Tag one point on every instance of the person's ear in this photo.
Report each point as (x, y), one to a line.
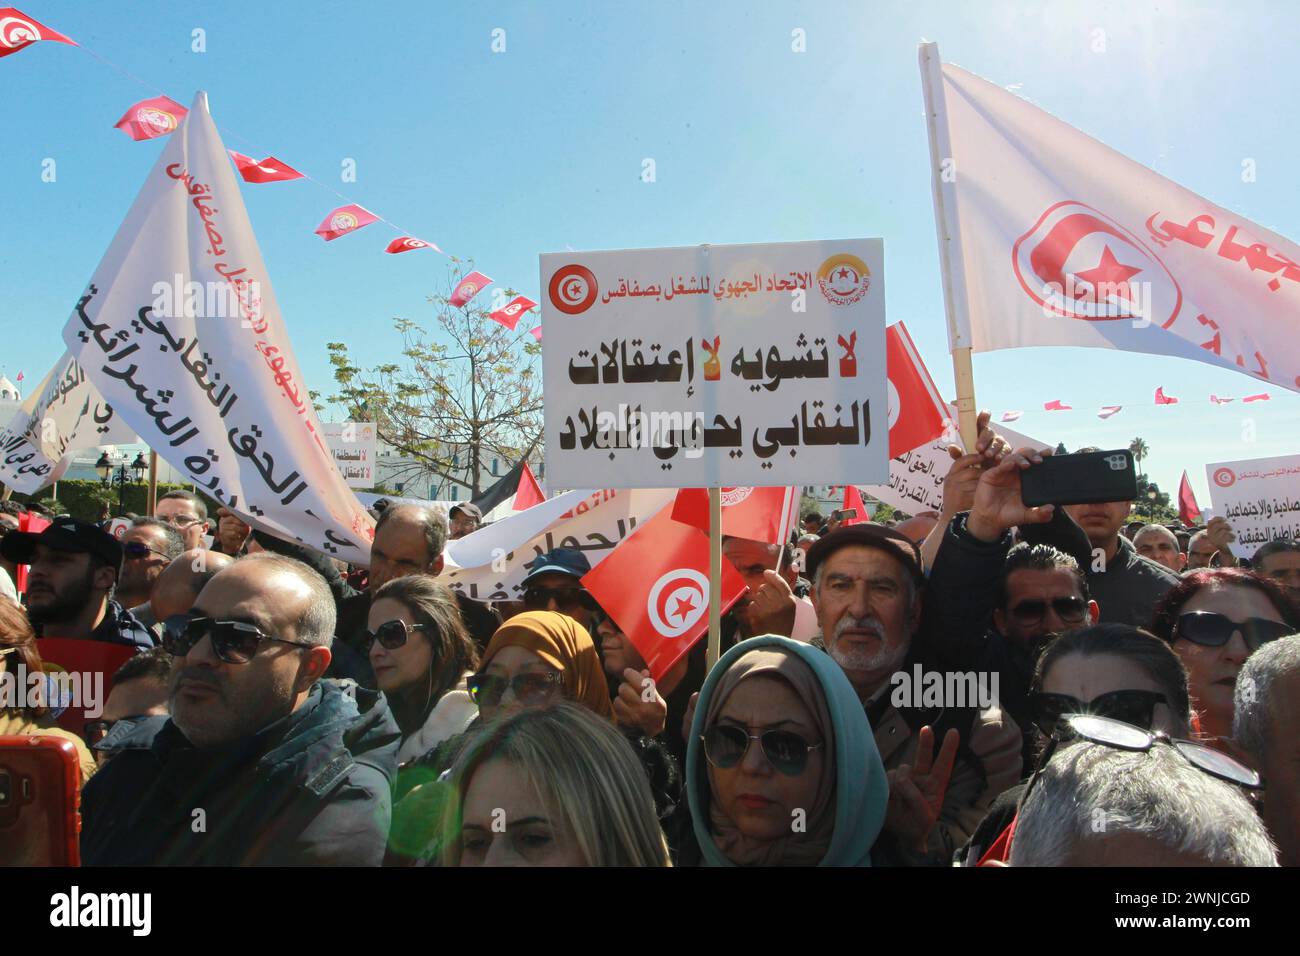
(103, 578)
(1094, 612)
(315, 663)
(437, 567)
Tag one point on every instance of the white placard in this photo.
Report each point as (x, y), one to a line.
(354, 446)
(1260, 497)
(710, 366)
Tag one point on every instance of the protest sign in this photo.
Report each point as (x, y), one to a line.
(750, 365)
(489, 564)
(64, 413)
(180, 330)
(1260, 497)
(354, 446)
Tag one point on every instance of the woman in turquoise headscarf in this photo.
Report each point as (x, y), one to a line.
(781, 766)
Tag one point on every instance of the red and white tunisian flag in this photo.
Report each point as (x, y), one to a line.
(917, 415)
(1050, 237)
(514, 310)
(180, 331)
(343, 220)
(760, 514)
(468, 287)
(19, 31)
(853, 502)
(409, 244)
(1189, 512)
(655, 586)
(269, 170)
(151, 118)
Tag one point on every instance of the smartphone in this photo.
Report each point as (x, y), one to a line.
(844, 514)
(1080, 479)
(40, 798)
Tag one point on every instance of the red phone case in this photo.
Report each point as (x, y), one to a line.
(40, 799)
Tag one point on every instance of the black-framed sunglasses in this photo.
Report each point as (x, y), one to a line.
(138, 549)
(725, 746)
(234, 642)
(1121, 736)
(1214, 630)
(1071, 610)
(1136, 707)
(391, 634)
(488, 689)
(537, 599)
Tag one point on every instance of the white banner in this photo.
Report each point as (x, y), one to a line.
(1053, 238)
(63, 414)
(916, 478)
(489, 565)
(1260, 497)
(180, 330)
(354, 446)
(710, 366)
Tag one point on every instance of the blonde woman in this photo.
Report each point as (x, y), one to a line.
(551, 786)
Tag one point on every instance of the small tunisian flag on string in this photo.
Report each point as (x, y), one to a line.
(916, 412)
(1221, 401)
(1055, 406)
(1011, 416)
(150, 119)
(343, 220)
(853, 502)
(408, 243)
(536, 333)
(510, 314)
(1163, 399)
(1108, 410)
(1261, 397)
(529, 492)
(655, 586)
(269, 170)
(468, 287)
(760, 514)
(1188, 511)
(18, 31)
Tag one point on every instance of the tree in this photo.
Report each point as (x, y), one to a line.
(1140, 450)
(1157, 509)
(469, 390)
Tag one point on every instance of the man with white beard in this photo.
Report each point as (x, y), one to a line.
(867, 590)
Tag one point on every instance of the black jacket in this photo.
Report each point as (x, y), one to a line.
(1130, 587)
(310, 789)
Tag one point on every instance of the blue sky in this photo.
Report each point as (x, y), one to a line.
(501, 156)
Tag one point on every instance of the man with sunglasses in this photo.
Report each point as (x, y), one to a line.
(186, 512)
(261, 761)
(148, 546)
(70, 587)
(554, 583)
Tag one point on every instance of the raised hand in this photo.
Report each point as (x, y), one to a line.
(997, 504)
(916, 792)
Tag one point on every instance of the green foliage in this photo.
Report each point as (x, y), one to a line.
(84, 498)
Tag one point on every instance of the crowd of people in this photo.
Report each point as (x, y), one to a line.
(1143, 693)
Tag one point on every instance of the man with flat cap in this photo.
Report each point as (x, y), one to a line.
(463, 519)
(74, 569)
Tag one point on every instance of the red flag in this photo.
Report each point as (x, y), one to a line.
(536, 333)
(468, 287)
(19, 378)
(916, 412)
(1220, 401)
(655, 585)
(1163, 399)
(510, 314)
(408, 243)
(28, 522)
(1261, 397)
(18, 30)
(269, 170)
(1011, 416)
(150, 119)
(1055, 406)
(853, 502)
(759, 514)
(528, 493)
(1108, 410)
(343, 220)
(1188, 512)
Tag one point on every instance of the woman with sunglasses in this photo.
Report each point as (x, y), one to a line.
(422, 655)
(1214, 620)
(781, 767)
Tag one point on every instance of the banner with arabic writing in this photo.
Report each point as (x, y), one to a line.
(1260, 497)
(711, 366)
(180, 330)
(63, 414)
(490, 564)
(355, 446)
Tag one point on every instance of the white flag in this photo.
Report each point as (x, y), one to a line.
(180, 330)
(1052, 238)
(63, 414)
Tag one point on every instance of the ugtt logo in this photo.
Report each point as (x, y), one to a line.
(1079, 263)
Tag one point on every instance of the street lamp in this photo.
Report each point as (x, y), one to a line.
(1151, 509)
(122, 477)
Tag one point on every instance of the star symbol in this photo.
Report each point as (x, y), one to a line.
(844, 273)
(684, 607)
(1109, 276)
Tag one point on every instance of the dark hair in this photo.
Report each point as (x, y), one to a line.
(1171, 605)
(1038, 557)
(16, 631)
(1280, 546)
(434, 605)
(12, 508)
(154, 664)
(435, 526)
(173, 544)
(1157, 660)
(812, 516)
(200, 508)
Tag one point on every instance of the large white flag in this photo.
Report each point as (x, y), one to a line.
(1050, 237)
(180, 330)
(63, 414)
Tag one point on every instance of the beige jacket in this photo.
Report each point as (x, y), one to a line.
(15, 723)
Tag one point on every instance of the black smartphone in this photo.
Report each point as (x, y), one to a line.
(844, 514)
(1080, 479)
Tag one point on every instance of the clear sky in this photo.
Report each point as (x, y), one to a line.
(501, 156)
